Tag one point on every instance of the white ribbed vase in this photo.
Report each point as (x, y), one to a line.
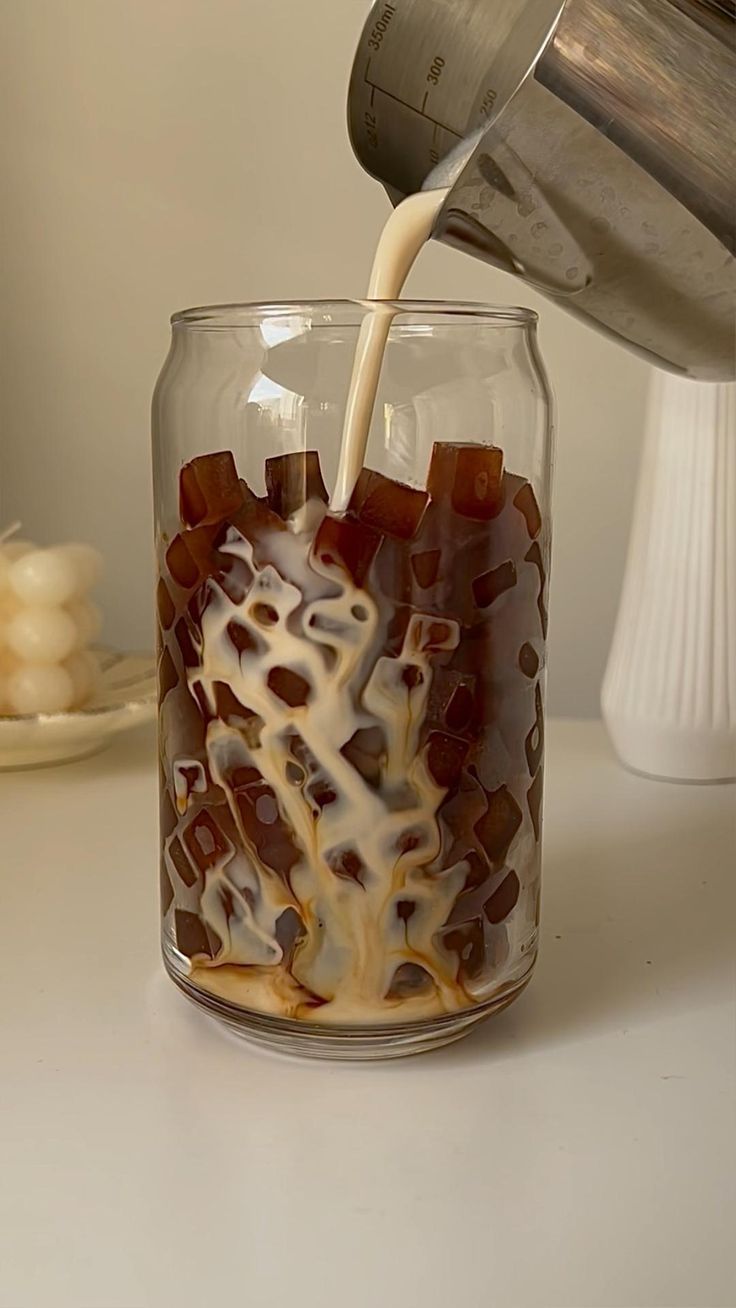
(669, 692)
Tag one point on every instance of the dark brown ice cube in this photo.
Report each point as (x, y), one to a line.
(205, 842)
(525, 502)
(499, 824)
(234, 575)
(458, 814)
(167, 891)
(388, 506)
(534, 556)
(292, 480)
(262, 822)
(451, 702)
(409, 979)
(429, 634)
(209, 489)
(168, 817)
(466, 940)
(396, 629)
(425, 567)
(503, 899)
(201, 544)
(321, 793)
(528, 660)
(184, 640)
(534, 802)
(181, 566)
(165, 605)
(229, 709)
(241, 637)
(346, 863)
(289, 930)
(181, 862)
(405, 909)
(471, 476)
(347, 544)
(366, 751)
(490, 585)
(445, 757)
(254, 520)
(534, 743)
(193, 937)
(289, 687)
(168, 677)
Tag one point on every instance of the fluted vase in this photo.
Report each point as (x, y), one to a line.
(669, 691)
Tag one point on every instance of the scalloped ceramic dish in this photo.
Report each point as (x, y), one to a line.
(126, 697)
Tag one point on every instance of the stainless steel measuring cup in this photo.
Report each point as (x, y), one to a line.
(589, 145)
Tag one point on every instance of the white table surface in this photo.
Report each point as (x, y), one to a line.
(578, 1150)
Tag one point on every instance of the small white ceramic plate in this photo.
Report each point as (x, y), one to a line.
(126, 696)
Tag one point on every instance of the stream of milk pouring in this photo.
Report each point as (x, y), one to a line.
(408, 228)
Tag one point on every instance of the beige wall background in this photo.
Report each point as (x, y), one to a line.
(162, 153)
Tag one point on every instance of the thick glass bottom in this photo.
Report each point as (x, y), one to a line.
(355, 1042)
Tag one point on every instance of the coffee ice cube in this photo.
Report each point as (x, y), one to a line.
(451, 702)
(426, 566)
(289, 930)
(263, 825)
(289, 687)
(164, 605)
(466, 940)
(528, 660)
(182, 864)
(229, 709)
(168, 816)
(429, 634)
(209, 489)
(193, 937)
(499, 824)
(445, 758)
(388, 506)
(166, 889)
(490, 585)
(181, 566)
(408, 980)
(292, 480)
(189, 654)
(534, 556)
(346, 863)
(205, 842)
(534, 802)
(168, 677)
(503, 900)
(534, 743)
(234, 575)
(347, 544)
(525, 501)
(470, 475)
(254, 521)
(366, 751)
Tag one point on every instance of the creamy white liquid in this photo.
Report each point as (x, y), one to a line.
(407, 230)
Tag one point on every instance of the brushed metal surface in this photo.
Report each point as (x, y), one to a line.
(590, 146)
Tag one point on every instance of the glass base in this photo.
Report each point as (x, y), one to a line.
(357, 1043)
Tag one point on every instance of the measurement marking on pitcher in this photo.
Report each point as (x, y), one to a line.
(381, 27)
(382, 91)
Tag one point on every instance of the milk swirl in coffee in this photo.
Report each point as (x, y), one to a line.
(351, 718)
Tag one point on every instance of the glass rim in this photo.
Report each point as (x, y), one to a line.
(251, 314)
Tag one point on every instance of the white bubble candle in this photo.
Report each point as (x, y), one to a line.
(47, 623)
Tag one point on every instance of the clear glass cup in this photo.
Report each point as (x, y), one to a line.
(351, 704)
